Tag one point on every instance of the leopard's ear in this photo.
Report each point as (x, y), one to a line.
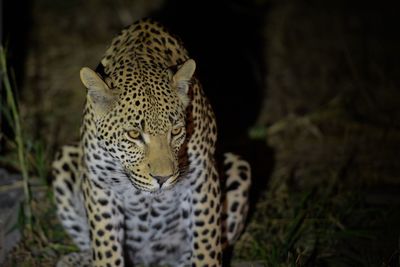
(181, 80)
(99, 94)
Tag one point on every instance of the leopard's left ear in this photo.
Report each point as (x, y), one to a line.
(181, 80)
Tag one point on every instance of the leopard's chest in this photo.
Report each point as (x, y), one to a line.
(157, 227)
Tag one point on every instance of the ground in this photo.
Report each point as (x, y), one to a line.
(317, 86)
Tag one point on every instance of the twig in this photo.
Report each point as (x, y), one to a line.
(8, 187)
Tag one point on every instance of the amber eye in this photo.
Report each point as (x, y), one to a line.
(133, 134)
(176, 131)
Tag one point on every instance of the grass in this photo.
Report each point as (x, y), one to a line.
(14, 121)
(43, 238)
(322, 208)
(319, 228)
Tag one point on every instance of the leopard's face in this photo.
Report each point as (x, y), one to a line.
(145, 131)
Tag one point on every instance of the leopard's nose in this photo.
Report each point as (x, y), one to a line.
(161, 179)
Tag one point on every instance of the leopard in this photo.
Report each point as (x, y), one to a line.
(142, 187)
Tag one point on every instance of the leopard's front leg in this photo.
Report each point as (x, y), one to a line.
(106, 224)
(206, 243)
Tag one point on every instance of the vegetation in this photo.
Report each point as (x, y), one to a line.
(37, 222)
(12, 114)
(330, 199)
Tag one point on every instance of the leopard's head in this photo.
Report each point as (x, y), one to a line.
(140, 120)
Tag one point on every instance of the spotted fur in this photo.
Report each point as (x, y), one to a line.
(142, 188)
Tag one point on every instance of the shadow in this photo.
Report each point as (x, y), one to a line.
(262, 161)
(225, 38)
(226, 43)
(14, 34)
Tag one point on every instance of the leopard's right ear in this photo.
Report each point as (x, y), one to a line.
(99, 94)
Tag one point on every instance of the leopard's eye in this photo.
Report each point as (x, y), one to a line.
(133, 134)
(176, 131)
